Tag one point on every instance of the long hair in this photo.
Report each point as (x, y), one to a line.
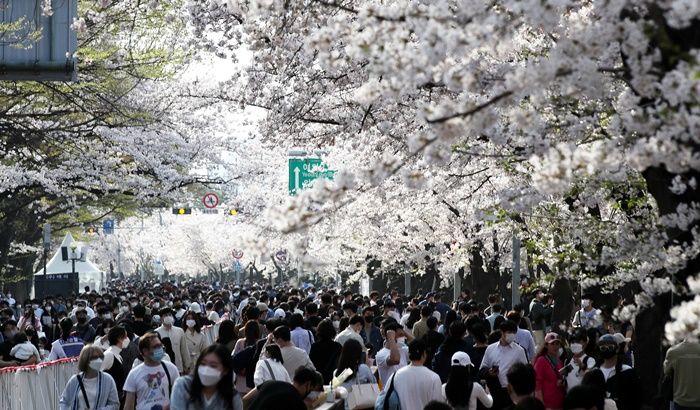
(227, 332)
(413, 317)
(225, 385)
(252, 333)
(459, 386)
(274, 352)
(350, 356)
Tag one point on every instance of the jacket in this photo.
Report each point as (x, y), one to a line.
(107, 398)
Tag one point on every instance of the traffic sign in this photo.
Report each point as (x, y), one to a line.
(304, 171)
(210, 200)
(237, 253)
(108, 226)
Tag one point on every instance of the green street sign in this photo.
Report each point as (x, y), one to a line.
(304, 171)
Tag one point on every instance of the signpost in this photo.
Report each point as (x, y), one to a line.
(108, 226)
(304, 171)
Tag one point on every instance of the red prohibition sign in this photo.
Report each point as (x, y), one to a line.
(210, 200)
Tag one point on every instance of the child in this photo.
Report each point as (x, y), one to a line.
(24, 349)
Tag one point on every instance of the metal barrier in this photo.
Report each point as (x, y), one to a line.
(39, 387)
(35, 387)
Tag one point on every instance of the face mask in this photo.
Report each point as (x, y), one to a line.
(369, 318)
(125, 343)
(48, 308)
(608, 353)
(585, 303)
(336, 324)
(82, 320)
(576, 348)
(158, 354)
(123, 309)
(510, 337)
(208, 375)
(107, 316)
(156, 305)
(170, 304)
(168, 320)
(133, 304)
(35, 307)
(95, 364)
(190, 323)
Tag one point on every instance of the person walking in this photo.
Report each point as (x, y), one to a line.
(149, 385)
(621, 380)
(195, 340)
(176, 335)
(113, 364)
(682, 363)
(415, 384)
(210, 387)
(460, 391)
(324, 353)
(66, 345)
(499, 358)
(91, 388)
(549, 383)
(271, 366)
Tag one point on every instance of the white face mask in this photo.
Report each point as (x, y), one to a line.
(585, 303)
(576, 348)
(209, 375)
(123, 309)
(156, 305)
(190, 323)
(96, 364)
(336, 324)
(510, 337)
(168, 320)
(125, 343)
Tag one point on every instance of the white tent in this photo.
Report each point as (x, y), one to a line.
(88, 273)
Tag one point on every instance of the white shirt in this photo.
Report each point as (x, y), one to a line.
(478, 392)
(609, 372)
(504, 357)
(416, 386)
(91, 392)
(303, 339)
(575, 376)
(347, 334)
(111, 353)
(151, 385)
(293, 359)
(385, 371)
(262, 373)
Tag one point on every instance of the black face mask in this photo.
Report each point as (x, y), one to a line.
(369, 318)
(608, 353)
(82, 320)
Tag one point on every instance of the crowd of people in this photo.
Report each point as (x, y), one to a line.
(148, 346)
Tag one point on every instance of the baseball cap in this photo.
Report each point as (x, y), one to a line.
(194, 307)
(619, 338)
(608, 339)
(461, 359)
(551, 338)
(279, 313)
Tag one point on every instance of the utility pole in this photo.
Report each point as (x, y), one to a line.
(515, 286)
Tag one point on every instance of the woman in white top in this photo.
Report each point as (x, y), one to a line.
(91, 388)
(271, 367)
(195, 340)
(460, 391)
(351, 358)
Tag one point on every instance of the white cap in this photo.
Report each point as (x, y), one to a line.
(619, 338)
(194, 307)
(461, 359)
(279, 313)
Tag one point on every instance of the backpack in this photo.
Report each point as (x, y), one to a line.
(388, 399)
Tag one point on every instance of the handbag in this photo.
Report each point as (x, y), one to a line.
(363, 396)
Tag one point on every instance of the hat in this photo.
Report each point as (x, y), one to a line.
(461, 359)
(279, 313)
(262, 307)
(194, 307)
(619, 338)
(551, 338)
(608, 339)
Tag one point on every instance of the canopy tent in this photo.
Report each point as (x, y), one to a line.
(88, 273)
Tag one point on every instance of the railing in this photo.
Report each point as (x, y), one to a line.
(39, 386)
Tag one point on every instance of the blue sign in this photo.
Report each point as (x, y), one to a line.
(40, 44)
(108, 226)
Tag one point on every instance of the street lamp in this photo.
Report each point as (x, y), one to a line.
(75, 255)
